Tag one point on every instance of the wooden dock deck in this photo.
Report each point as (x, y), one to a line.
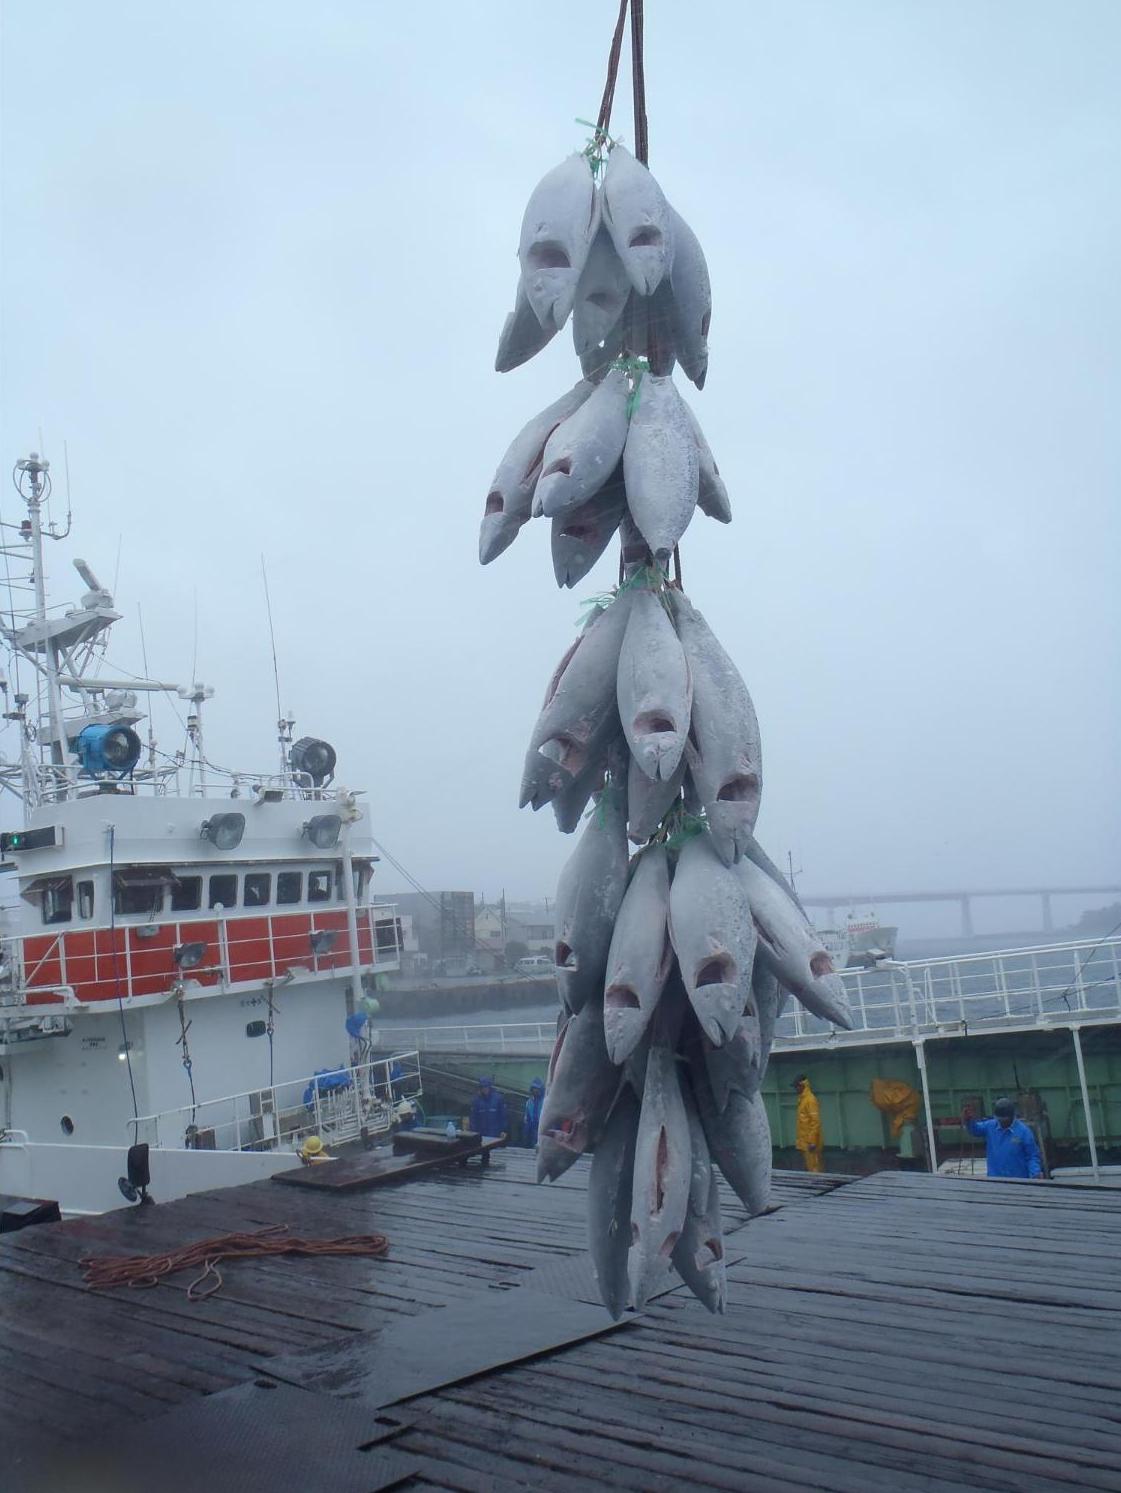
(896, 1332)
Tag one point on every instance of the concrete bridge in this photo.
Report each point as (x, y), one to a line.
(965, 899)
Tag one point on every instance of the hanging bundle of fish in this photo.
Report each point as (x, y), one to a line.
(673, 962)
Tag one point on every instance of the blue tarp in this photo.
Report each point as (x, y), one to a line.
(327, 1081)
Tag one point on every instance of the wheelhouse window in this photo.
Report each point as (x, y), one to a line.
(319, 886)
(186, 894)
(57, 900)
(223, 890)
(289, 887)
(138, 890)
(258, 889)
(85, 899)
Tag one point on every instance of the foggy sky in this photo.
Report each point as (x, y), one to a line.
(256, 259)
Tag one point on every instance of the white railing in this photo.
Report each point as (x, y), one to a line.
(528, 1037)
(1049, 985)
(337, 1104)
(1010, 988)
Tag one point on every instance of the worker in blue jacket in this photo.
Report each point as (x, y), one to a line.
(531, 1119)
(488, 1113)
(1010, 1148)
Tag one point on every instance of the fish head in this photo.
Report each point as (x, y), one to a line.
(550, 281)
(707, 1277)
(831, 994)
(717, 1006)
(542, 779)
(731, 813)
(624, 1020)
(497, 531)
(657, 742)
(554, 496)
(648, 254)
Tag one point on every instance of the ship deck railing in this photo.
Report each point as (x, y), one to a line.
(1051, 985)
(338, 1104)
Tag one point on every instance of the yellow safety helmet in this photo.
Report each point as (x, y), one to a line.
(312, 1146)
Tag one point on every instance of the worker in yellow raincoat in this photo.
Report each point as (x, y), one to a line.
(808, 1137)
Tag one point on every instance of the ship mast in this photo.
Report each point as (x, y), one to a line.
(36, 470)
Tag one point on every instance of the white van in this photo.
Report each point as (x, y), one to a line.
(534, 964)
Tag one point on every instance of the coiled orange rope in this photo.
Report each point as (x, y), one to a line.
(103, 1272)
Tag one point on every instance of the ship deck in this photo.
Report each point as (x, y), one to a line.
(897, 1331)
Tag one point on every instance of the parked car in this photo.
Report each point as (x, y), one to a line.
(534, 964)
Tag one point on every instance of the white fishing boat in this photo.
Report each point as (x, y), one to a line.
(179, 941)
(859, 940)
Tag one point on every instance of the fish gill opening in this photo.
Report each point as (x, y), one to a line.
(548, 255)
(661, 1167)
(621, 998)
(740, 789)
(494, 504)
(646, 237)
(564, 956)
(718, 970)
(654, 723)
(563, 465)
(820, 964)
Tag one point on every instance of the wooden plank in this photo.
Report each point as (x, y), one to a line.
(475, 1337)
(360, 1173)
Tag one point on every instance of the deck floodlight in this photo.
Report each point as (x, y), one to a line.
(323, 830)
(107, 749)
(224, 831)
(314, 757)
(323, 940)
(190, 955)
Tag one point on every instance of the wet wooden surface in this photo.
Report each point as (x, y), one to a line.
(897, 1332)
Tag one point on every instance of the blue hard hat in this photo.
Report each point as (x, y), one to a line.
(537, 1084)
(486, 1083)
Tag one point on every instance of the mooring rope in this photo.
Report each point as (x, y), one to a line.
(104, 1272)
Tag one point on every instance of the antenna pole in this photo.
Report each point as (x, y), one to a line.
(35, 469)
(283, 723)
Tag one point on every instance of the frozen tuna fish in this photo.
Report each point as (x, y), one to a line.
(660, 465)
(571, 801)
(523, 336)
(637, 217)
(649, 801)
(559, 226)
(723, 751)
(641, 955)
(698, 1256)
(691, 307)
(792, 949)
(768, 1005)
(712, 495)
(582, 454)
(580, 1088)
(713, 937)
(662, 1173)
(589, 894)
(739, 1140)
(510, 497)
(655, 691)
(610, 1184)
(581, 535)
(601, 296)
(580, 715)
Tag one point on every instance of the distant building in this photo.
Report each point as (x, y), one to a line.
(443, 922)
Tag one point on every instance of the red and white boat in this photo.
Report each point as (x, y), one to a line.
(186, 949)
